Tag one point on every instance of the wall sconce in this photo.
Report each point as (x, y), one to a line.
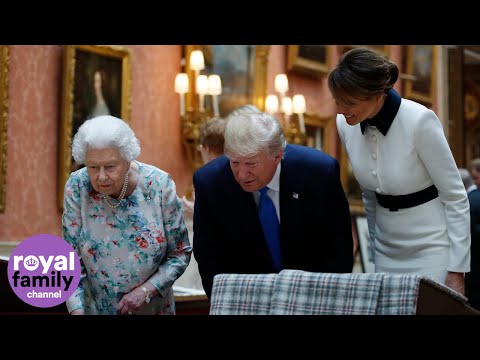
(193, 118)
(295, 132)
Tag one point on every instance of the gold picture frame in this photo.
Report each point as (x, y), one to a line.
(313, 60)
(420, 82)
(4, 62)
(319, 131)
(254, 77)
(87, 71)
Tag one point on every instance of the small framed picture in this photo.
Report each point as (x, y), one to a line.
(313, 60)
(364, 244)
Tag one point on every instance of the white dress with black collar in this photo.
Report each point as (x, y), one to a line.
(431, 238)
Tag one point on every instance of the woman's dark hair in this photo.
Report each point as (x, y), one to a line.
(362, 73)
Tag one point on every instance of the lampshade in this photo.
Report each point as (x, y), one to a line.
(294, 128)
(299, 106)
(287, 105)
(281, 83)
(197, 61)
(181, 83)
(214, 85)
(202, 84)
(271, 104)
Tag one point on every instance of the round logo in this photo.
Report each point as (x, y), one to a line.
(44, 270)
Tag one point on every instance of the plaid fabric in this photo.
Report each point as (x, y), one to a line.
(296, 292)
(305, 293)
(399, 295)
(241, 294)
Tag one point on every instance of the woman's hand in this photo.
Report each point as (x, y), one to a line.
(135, 299)
(78, 312)
(456, 281)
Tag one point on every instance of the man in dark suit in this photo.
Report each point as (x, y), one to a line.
(472, 279)
(304, 185)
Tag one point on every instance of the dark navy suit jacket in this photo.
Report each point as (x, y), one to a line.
(315, 219)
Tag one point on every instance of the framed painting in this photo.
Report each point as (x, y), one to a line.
(421, 67)
(311, 60)
(319, 132)
(96, 81)
(242, 69)
(4, 60)
(363, 236)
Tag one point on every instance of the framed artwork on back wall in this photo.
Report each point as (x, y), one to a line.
(96, 81)
(313, 60)
(421, 63)
(243, 72)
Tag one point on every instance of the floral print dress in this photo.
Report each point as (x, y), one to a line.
(143, 239)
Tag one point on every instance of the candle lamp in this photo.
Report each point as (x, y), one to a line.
(192, 118)
(293, 127)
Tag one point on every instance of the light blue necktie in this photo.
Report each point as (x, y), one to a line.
(271, 227)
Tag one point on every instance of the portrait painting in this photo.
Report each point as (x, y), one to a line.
(4, 61)
(235, 65)
(421, 66)
(242, 69)
(96, 81)
(313, 60)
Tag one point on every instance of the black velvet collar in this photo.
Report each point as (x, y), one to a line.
(383, 120)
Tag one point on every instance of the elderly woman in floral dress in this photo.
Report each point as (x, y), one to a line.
(125, 221)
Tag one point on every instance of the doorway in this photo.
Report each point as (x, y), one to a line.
(464, 102)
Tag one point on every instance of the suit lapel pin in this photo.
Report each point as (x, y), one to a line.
(295, 195)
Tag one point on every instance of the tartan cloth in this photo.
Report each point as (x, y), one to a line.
(299, 292)
(296, 292)
(241, 294)
(399, 294)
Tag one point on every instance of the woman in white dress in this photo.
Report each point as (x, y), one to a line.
(415, 202)
(101, 107)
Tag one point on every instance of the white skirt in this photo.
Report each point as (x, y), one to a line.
(413, 240)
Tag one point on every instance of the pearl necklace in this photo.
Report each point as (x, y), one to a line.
(120, 198)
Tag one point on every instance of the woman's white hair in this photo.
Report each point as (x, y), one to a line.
(247, 134)
(105, 132)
